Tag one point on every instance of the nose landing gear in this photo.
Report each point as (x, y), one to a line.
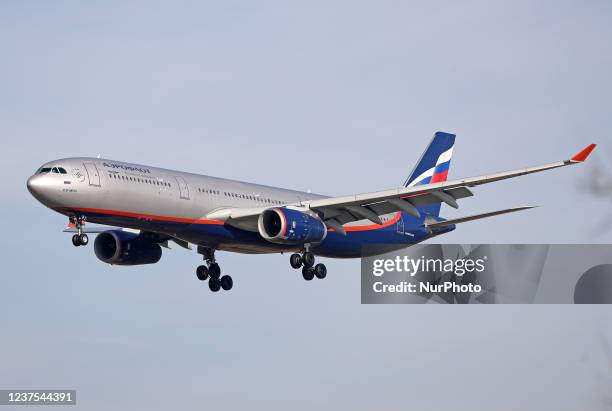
(307, 262)
(80, 238)
(212, 272)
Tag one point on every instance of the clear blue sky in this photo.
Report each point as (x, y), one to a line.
(343, 96)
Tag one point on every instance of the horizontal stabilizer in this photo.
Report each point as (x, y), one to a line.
(445, 223)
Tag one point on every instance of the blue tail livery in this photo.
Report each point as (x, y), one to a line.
(433, 167)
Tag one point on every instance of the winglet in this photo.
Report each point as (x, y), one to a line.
(584, 153)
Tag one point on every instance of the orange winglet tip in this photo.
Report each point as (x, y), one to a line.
(584, 153)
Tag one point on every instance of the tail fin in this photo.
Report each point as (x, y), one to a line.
(433, 166)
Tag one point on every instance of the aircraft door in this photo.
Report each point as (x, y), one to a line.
(400, 225)
(183, 188)
(92, 174)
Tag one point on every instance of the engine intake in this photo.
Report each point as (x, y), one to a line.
(123, 248)
(287, 226)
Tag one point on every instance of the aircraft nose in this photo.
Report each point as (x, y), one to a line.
(42, 189)
(34, 184)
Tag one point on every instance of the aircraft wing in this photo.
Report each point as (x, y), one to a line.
(88, 229)
(337, 211)
(341, 210)
(162, 239)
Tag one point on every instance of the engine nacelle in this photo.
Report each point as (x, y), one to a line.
(125, 248)
(287, 226)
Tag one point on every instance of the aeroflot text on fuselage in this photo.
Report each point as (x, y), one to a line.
(127, 168)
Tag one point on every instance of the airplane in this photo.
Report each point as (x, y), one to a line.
(144, 208)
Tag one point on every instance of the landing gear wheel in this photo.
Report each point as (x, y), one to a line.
(202, 273)
(214, 270)
(214, 284)
(295, 260)
(76, 241)
(226, 282)
(320, 271)
(308, 273)
(308, 259)
(83, 239)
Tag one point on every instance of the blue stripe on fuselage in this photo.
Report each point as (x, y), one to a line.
(407, 231)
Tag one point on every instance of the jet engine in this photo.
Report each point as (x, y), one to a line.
(124, 248)
(287, 226)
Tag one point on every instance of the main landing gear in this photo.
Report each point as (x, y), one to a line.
(212, 272)
(307, 262)
(80, 238)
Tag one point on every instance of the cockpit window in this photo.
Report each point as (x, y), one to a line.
(56, 170)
